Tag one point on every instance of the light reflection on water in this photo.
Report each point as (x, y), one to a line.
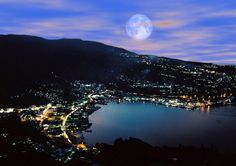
(160, 125)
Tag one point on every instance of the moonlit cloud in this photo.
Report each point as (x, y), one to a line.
(169, 23)
(225, 13)
(184, 29)
(48, 4)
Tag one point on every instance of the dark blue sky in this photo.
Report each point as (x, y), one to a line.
(197, 30)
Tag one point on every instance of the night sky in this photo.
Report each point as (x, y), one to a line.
(196, 30)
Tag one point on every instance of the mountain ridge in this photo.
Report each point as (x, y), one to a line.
(95, 42)
(27, 62)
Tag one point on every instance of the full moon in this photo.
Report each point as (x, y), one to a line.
(139, 27)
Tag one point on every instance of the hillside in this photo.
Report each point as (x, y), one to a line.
(28, 61)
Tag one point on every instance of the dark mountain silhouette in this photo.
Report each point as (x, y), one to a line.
(26, 61)
(27, 56)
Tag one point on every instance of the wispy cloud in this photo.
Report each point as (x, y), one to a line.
(224, 13)
(169, 23)
(65, 5)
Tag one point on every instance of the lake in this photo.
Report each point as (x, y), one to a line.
(160, 125)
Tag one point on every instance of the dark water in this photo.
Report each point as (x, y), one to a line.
(160, 125)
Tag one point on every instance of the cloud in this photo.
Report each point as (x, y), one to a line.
(38, 3)
(169, 23)
(64, 5)
(85, 27)
(225, 13)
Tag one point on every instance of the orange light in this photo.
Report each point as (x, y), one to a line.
(82, 146)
